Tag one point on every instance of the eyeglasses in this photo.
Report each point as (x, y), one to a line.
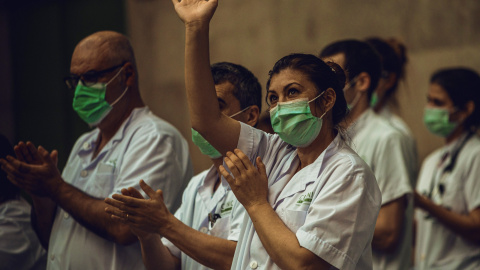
(88, 78)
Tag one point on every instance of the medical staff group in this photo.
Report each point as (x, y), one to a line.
(325, 178)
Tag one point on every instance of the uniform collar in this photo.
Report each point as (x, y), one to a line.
(86, 149)
(308, 175)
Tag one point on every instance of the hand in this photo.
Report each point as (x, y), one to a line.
(34, 170)
(420, 201)
(193, 11)
(143, 216)
(249, 184)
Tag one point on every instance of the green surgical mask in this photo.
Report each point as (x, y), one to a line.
(90, 104)
(294, 123)
(205, 147)
(374, 100)
(438, 121)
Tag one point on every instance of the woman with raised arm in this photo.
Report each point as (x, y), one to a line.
(311, 201)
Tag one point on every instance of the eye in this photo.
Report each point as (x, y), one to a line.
(292, 92)
(272, 99)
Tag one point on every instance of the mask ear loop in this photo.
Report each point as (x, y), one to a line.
(315, 99)
(120, 97)
(237, 113)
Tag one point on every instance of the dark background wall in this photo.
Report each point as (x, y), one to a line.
(37, 40)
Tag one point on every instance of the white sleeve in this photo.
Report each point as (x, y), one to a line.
(391, 170)
(154, 158)
(472, 183)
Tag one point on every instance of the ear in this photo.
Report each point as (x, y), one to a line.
(329, 98)
(390, 81)
(363, 82)
(130, 75)
(253, 113)
(469, 108)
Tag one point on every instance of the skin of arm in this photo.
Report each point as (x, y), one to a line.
(389, 225)
(220, 130)
(42, 217)
(44, 180)
(152, 217)
(251, 189)
(467, 226)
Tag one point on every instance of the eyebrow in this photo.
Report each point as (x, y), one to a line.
(286, 87)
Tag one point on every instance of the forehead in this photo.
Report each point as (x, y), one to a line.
(286, 77)
(225, 91)
(89, 57)
(436, 91)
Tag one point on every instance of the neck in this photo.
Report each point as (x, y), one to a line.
(361, 107)
(309, 154)
(455, 134)
(380, 105)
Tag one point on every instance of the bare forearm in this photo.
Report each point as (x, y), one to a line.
(198, 77)
(213, 252)
(389, 225)
(280, 243)
(467, 226)
(156, 256)
(43, 215)
(90, 212)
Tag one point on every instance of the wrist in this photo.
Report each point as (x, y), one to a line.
(197, 26)
(168, 227)
(257, 207)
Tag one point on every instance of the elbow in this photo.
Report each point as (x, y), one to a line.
(385, 241)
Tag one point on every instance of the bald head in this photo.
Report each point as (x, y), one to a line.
(102, 50)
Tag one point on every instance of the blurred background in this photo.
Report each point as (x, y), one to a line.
(37, 38)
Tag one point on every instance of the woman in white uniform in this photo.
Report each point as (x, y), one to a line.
(311, 201)
(448, 190)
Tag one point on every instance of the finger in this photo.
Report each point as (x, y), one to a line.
(32, 152)
(16, 167)
(54, 157)
(236, 160)
(148, 190)
(226, 175)
(128, 201)
(18, 151)
(135, 193)
(116, 215)
(26, 154)
(45, 155)
(244, 159)
(232, 167)
(261, 167)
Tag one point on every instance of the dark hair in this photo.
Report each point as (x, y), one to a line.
(323, 75)
(247, 88)
(8, 191)
(390, 62)
(359, 57)
(462, 85)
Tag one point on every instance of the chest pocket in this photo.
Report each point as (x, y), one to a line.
(294, 218)
(102, 183)
(221, 228)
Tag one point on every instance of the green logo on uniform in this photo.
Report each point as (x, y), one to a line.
(226, 207)
(305, 199)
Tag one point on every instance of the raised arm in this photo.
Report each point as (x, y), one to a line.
(221, 131)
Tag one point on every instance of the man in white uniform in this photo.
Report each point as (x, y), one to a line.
(206, 227)
(129, 143)
(379, 144)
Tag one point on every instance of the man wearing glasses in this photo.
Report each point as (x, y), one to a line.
(129, 143)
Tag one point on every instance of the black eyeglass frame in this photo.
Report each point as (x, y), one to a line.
(93, 75)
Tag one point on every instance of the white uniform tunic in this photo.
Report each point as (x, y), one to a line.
(19, 246)
(438, 247)
(409, 146)
(198, 202)
(379, 144)
(145, 147)
(331, 205)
